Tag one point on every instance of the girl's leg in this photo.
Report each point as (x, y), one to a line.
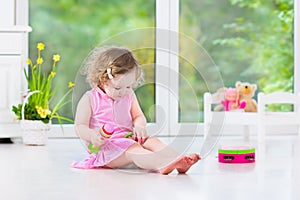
(155, 145)
(124, 159)
(147, 159)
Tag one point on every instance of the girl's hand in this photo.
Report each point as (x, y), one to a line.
(96, 139)
(140, 134)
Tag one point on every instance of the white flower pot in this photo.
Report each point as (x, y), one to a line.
(35, 132)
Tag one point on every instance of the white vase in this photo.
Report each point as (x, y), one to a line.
(35, 132)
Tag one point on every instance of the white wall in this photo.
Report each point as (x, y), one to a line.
(13, 53)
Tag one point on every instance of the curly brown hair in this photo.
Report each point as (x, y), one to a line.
(120, 59)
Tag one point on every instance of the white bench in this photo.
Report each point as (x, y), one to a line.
(278, 118)
(214, 121)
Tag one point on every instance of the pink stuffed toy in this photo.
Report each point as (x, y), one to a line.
(232, 101)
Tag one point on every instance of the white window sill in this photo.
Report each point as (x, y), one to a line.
(13, 130)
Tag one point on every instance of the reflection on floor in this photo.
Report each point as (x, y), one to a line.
(42, 172)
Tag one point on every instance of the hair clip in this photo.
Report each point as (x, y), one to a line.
(110, 76)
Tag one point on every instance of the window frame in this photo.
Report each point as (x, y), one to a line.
(296, 46)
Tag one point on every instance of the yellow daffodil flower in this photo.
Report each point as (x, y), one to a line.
(28, 61)
(43, 112)
(71, 84)
(52, 73)
(56, 57)
(39, 61)
(40, 46)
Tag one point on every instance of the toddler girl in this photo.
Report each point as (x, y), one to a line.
(112, 72)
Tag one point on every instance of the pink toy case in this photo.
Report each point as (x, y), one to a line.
(236, 154)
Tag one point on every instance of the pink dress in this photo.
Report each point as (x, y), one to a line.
(116, 114)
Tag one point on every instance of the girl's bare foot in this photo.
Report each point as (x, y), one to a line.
(191, 160)
(181, 163)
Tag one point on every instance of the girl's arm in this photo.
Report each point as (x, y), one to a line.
(139, 120)
(82, 120)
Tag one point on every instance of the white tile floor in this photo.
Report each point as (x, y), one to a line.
(42, 172)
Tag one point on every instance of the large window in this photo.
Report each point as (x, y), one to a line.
(248, 41)
(186, 47)
(74, 28)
